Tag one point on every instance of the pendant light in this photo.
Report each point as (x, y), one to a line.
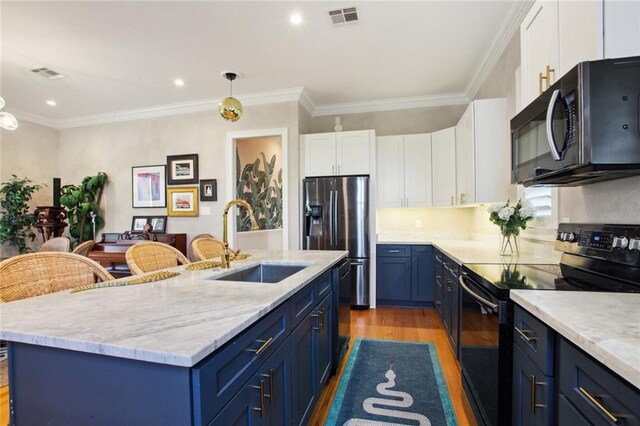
(7, 121)
(230, 108)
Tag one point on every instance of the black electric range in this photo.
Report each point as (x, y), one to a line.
(594, 258)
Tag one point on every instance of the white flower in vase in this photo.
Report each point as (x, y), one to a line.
(506, 212)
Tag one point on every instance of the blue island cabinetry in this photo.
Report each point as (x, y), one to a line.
(270, 374)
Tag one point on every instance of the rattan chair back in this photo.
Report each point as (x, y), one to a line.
(206, 248)
(35, 274)
(150, 256)
(56, 244)
(84, 248)
(190, 254)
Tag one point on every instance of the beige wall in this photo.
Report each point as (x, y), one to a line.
(115, 148)
(30, 151)
(439, 220)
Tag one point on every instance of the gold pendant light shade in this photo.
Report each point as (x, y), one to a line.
(230, 108)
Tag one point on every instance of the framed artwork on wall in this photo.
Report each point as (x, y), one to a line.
(209, 190)
(158, 224)
(183, 169)
(148, 186)
(183, 201)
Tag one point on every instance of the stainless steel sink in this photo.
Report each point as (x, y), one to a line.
(263, 273)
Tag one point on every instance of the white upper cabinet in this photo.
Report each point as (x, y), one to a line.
(558, 34)
(443, 167)
(404, 171)
(342, 153)
(482, 153)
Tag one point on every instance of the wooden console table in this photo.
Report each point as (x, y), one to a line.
(111, 255)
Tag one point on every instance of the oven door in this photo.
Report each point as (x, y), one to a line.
(485, 353)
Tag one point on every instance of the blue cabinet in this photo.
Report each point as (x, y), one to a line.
(532, 398)
(446, 296)
(438, 283)
(404, 275)
(324, 326)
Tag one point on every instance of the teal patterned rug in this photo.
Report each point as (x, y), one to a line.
(392, 383)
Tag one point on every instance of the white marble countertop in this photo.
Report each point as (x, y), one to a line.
(605, 325)
(463, 250)
(178, 321)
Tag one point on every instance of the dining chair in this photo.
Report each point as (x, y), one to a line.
(206, 248)
(61, 244)
(190, 254)
(35, 274)
(84, 248)
(150, 256)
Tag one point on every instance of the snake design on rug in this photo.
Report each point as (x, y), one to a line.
(385, 389)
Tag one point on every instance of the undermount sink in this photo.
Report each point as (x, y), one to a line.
(263, 273)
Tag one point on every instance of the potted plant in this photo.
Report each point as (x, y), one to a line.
(16, 221)
(83, 204)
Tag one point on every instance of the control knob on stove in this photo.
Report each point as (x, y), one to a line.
(569, 236)
(634, 243)
(560, 236)
(620, 242)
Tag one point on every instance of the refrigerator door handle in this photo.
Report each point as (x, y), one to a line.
(334, 212)
(331, 219)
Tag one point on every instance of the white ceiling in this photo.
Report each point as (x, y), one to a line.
(122, 56)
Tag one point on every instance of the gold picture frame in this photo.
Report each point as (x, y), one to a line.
(183, 201)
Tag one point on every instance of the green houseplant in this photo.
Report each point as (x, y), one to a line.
(81, 201)
(16, 221)
(262, 190)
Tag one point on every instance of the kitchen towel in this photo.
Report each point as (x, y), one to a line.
(389, 382)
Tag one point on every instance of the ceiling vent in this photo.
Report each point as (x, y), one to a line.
(347, 15)
(48, 73)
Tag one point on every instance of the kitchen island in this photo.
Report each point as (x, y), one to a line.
(147, 353)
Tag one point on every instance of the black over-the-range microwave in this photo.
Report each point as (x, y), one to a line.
(585, 128)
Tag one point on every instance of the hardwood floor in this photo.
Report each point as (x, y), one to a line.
(415, 324)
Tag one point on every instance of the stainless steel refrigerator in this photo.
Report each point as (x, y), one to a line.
(336, 217)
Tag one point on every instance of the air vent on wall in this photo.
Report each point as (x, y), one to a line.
(343, 16)
(48, 73)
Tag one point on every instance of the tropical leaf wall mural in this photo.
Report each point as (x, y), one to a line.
(260, 185)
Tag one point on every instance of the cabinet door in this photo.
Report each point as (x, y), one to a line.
(304, 388)
(277, 372)
(390, 151)
(422, 274)
(621, 29)
(446, 302)
(320, 154)
(417, 170)
(465, 154)
(454, 330)
(393, 278)
(532, 392)
(539, 48)
(353, 152)
(325, 348)
(580, 32)
(244, 409)
(437, 289)
(443, 167)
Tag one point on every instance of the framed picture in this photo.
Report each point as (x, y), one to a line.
(138, 223)
(183, 201)
(148, 186)
(183, 169)
(208, 190)
(158, 224)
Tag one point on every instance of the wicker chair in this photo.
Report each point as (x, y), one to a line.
(61, 244)
(35, 274)
(150, 256)
(84, 248)
(190, 254)
(206, 248)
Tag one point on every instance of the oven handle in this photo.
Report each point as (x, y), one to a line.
(475, 295)
(550, 138)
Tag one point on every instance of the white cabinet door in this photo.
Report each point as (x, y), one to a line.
(621, 28)
(539, 48)
(320, 154)
(580, 32)
(443, 167)
(390, 171)
(353, 152)
(417, 170)
(465, 154)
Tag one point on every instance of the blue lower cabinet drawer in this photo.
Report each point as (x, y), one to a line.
(324, 285)
(534, 338)
(218, 378)
(393, 250)
(302, 303)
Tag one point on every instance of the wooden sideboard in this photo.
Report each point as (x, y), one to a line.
(111, 255)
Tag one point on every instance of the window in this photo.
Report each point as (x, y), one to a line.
(545, 203)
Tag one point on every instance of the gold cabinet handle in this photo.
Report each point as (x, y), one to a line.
(265, 344)
(549, 70)
(261, 409)
(597, 403)
(270, 377)
(524, 335)
(315, 315)
(463, 198)
(321, 319)
(540, 78)
(453, 200)
(534, 383)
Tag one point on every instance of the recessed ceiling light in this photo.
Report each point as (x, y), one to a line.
(178, 82)
(295, 19)
(51, 103)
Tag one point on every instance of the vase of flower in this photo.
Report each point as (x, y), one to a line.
(510, 219)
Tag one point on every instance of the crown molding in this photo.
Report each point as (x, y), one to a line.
(391, 104)
(307, 103)
(25, 116)
(510, 24)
